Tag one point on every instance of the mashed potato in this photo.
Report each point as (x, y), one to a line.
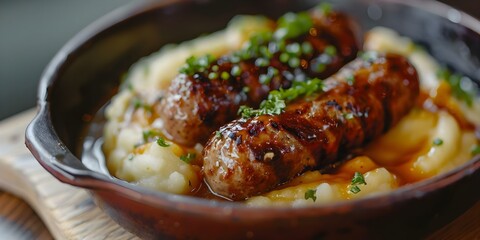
(431, 139)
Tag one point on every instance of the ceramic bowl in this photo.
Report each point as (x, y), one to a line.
(86, 72)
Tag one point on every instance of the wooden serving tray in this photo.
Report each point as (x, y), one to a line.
(70, 213)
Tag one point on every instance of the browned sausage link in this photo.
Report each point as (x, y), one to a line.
(195, 106)
(363, 100)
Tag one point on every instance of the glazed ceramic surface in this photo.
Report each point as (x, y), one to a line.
(86, 72)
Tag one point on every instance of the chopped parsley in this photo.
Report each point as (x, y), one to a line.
(351, 80)
(369, 56)
(236, 71)
(276, 101)
(197, 64)
(262, 62)
(462, 87)
(162, 143)
(357, 179)
(330, 50)
(437, 142)
(325, 8)
(319, 63)
(138, 103)
(348, 116)
(298, 89)
(294, 49)
(311, 194)
(225, 75)
(284, 57)
(212, 75)
(188, 157)
(218, 134)
(148, 134)
(292, 25)
(355, 189)
(307, 48)
(294, 62)
(271, 106)
(475, 150)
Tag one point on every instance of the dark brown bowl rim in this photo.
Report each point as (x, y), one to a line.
(41, 128)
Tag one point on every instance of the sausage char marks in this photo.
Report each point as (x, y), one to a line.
(199, 103)
(366, 98)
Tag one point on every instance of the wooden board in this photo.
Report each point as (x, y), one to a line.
(69, 212)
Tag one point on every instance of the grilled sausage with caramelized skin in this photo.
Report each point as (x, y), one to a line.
(362, 101)
(195, 105)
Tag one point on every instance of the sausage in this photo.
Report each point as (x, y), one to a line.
(362, 101)
(197, 104)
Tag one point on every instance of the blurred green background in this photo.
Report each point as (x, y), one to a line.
(32, 31)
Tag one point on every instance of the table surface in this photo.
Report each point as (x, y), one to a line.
(65, 212)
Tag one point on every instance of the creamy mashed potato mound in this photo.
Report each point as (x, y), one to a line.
(428, 141)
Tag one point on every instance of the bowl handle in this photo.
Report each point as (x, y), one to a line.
(45, 145)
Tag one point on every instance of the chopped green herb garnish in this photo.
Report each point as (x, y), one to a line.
(350, 80)
(130, 86)
(330, 50)
(292, 25)
(236, 71)
(247, 112)
(225, 75)
(265, 52)
(311, 194)
(369, 56)
(284, 57)
(162, 143)
(475, 150)
(294, 62)
(357, 179)
(234, 58)
(276, 101)
(271, 106)
(318, 66)
(245, 89)
(294, 49)
(212, 75)
(264, 79)
(462, 87)
(188, 157)
(138, 103)
(307, 48)
(437, 141)
(148, 134)
(196, 64)
(355, 189)
(215, 68)
(261, 62)
(298, 89)
(325, 8)
(218, 134)
(271, 71)
(348, 116)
